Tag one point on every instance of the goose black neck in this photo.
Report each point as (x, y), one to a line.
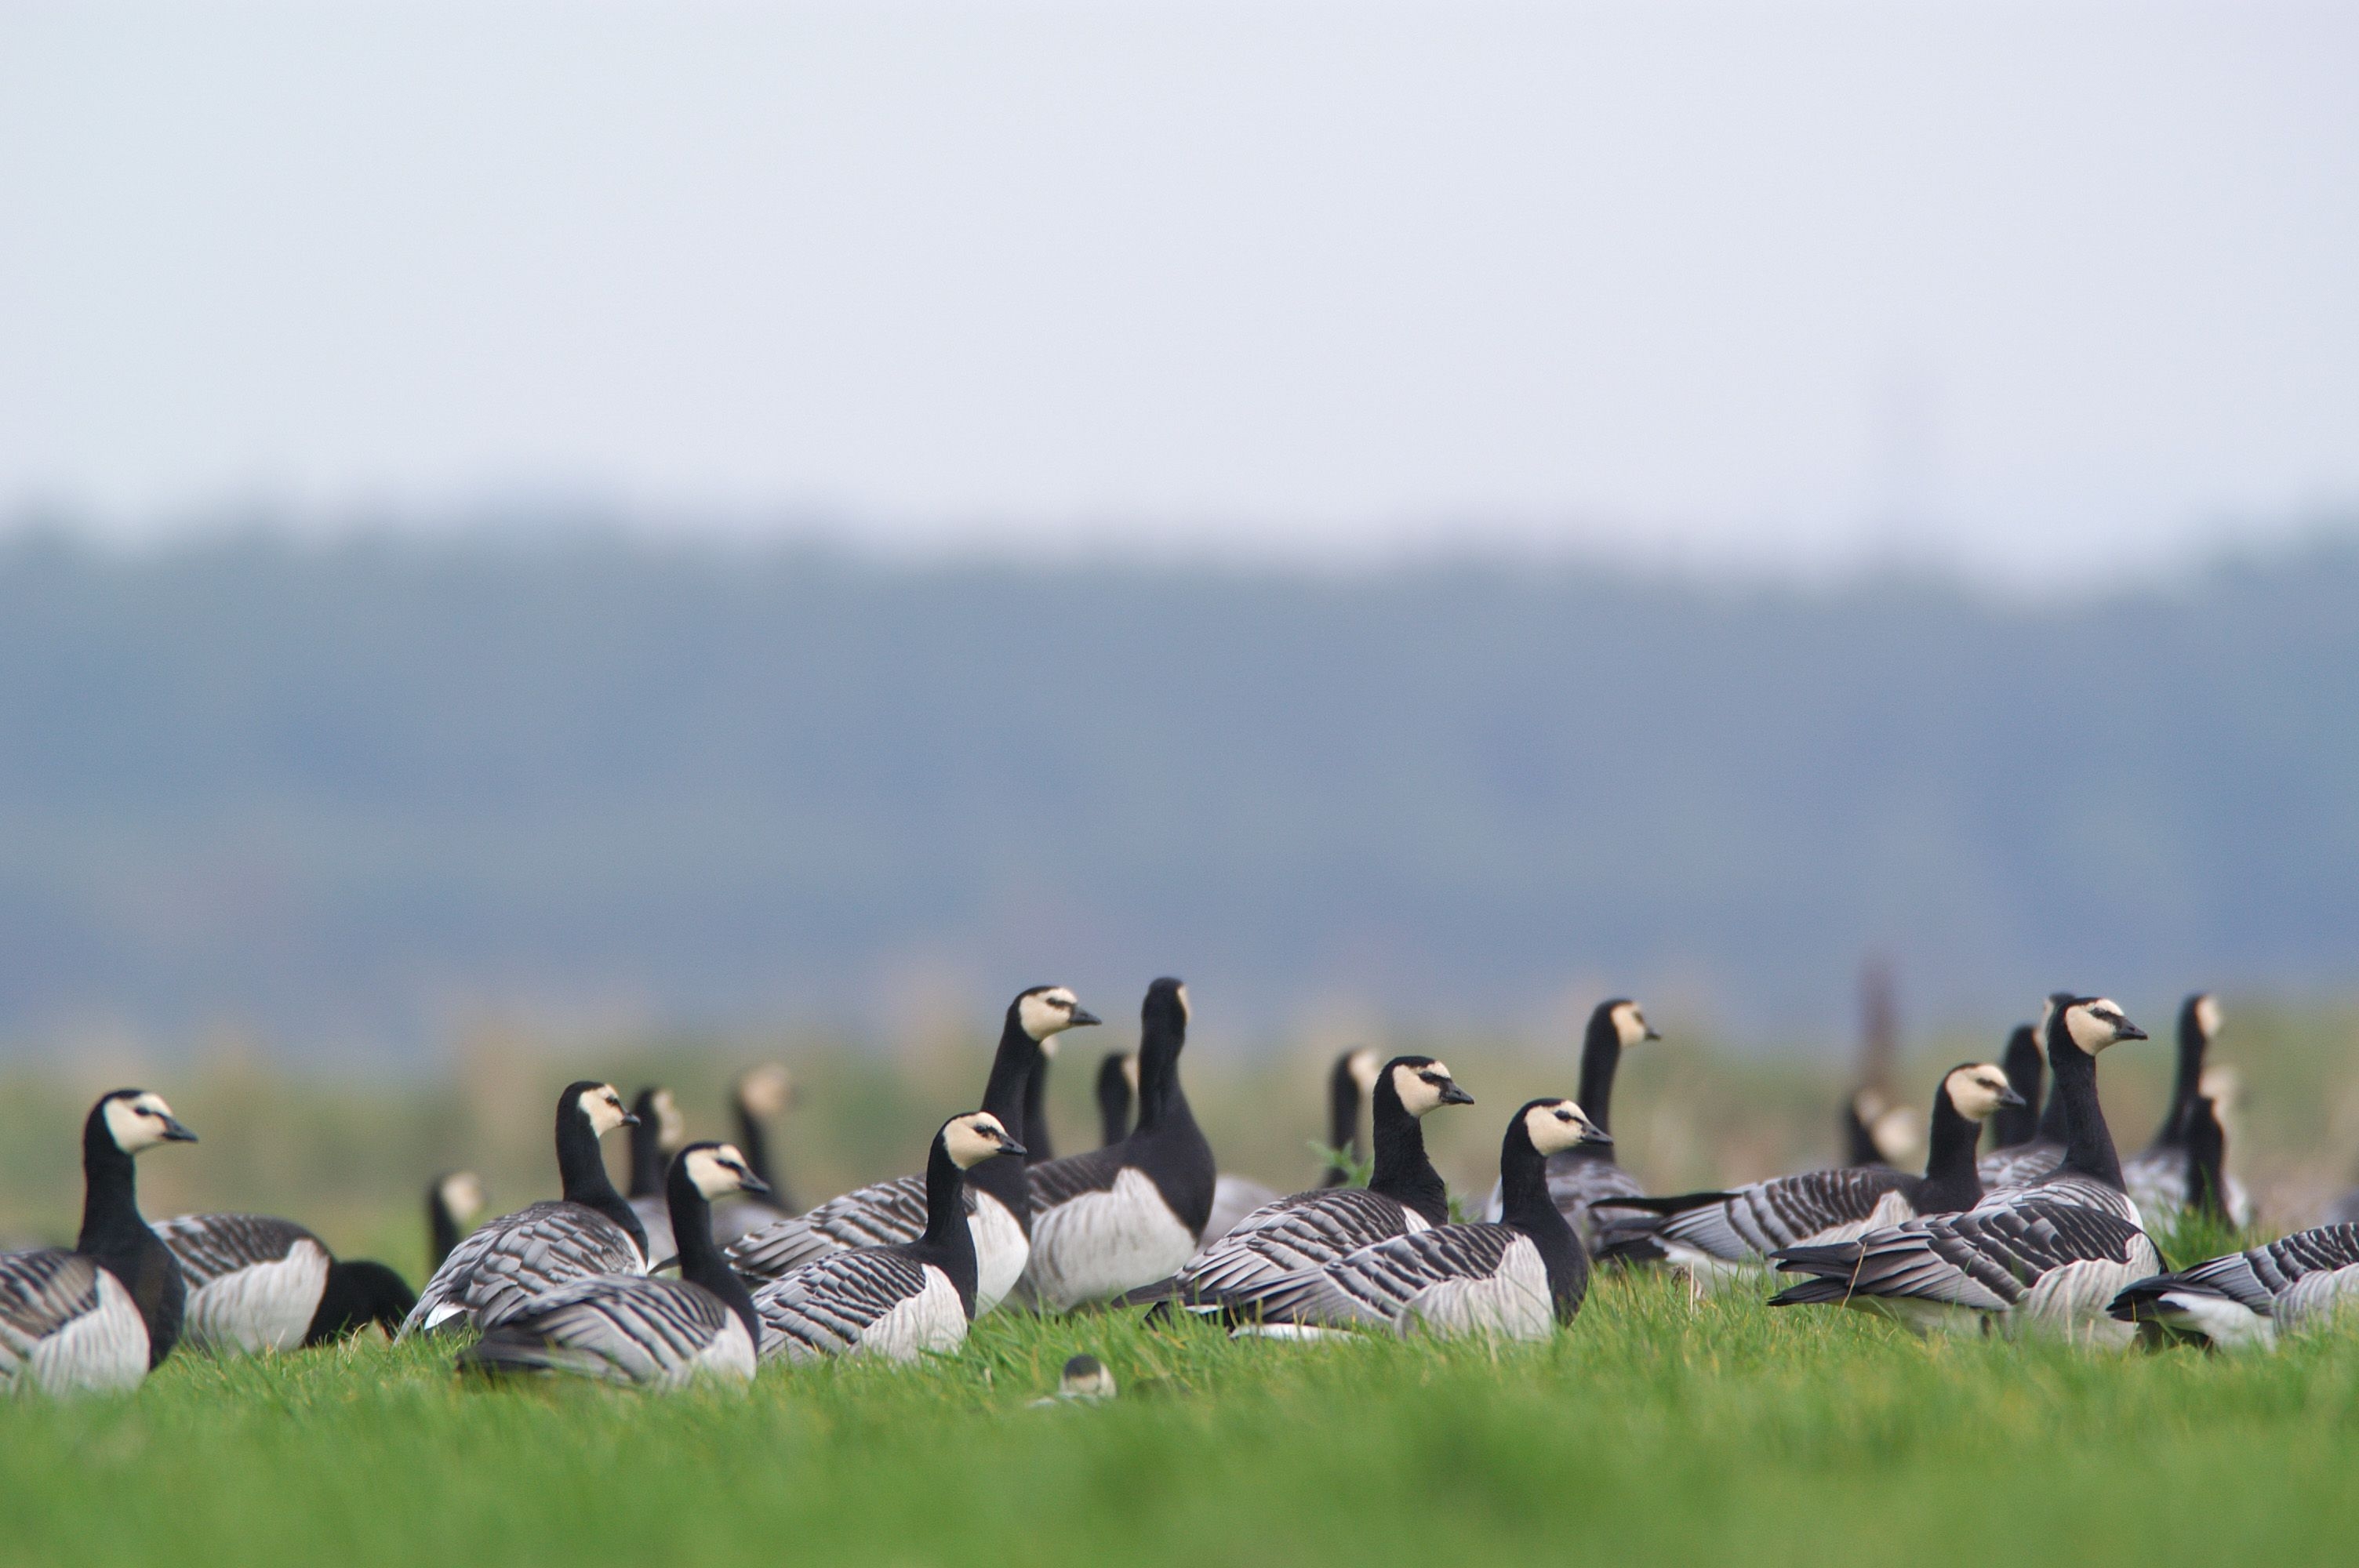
(701, 1262)
(1004, 1096)
(2013, 1124)
(646, 1151)
(1525, 1204)
(1035, 1136)
(2207, 1154)
(112, 1230)
(1601, 1056)
(753, 1143)
(581, 1171)
(949, 1241)
(1113, 1100)
(2188, 1083)
(2088, 1141)
(1343, 1118)
(1161, 1100)
(1403, 1173)
(359, 1293)
(441, 1227)
(1951, 1182)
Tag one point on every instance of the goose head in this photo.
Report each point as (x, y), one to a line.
(599, 1105)
(2199, 1018)
(656, 1108)
(1046, 1012)
(1629, 1021)
(1423, 1084)
(1359, 1064)
(1556, 1125)
(1085, 1377)
(1977, 1089)
(2093, 1022)
(461, 1194)
(765, 1090)
(718, 1170)
(975, 1137)
(136, 1120)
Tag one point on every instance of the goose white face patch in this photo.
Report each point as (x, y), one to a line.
(671, 1127)
(1047, 1013)
(1629, 1024)
(717, 1170)
(603, 1107)
(2094, 1025)
(2207, 1015)
(462, 1195)
(1556, 1126)
(1420, 1088)
(1363, 1067)
(1187, 1007)
(138, 1122)
(767, 1090)
(1975, 1090)
(1130, 1070)
(973, 1138)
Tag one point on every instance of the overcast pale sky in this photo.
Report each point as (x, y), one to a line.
(2044, 286)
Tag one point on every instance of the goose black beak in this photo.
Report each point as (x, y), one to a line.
(1593, 1133)
(747, 1182)
(2129, 1030)
(1452, 1094)
(2008, 1097)
(1652, 1034)
(177, 1131)
(630, 1119)
(1009, 1146)
(1084, 1018)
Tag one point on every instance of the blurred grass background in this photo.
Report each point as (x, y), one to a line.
(350, 1155)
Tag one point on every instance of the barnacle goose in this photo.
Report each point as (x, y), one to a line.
(1516, 1280)
(659, 1133)
(1083, 1380)
(1722, 1236)
(1581, 1175)
(1352, 1081)
(453, 1199)
(1117, 1082)
(2046, 1257)
(2027, 1161)
(2157, 1177)
(1116, 1219)
(97, 1318)
(635, 1328)
(761, 1094)
(898, 1301)
(998, 1196)
(1405, 1193)
(2244, 1299)
(256, 1283)
(2026, 1069)
(591, 1230)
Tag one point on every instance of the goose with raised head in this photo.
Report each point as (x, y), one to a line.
(2027, 1072)
(2044, 1259)
(903, 1300)
(637, 1329)
(760, 1096)
(1114, 1219)
(1405, 1194)
(453, 1199)
(96, 1319)
(2026, 1160)
(1719, 1237)
(1117, 1083)
(1516, 1279)
(593, 1229)
(2158, 1175)
(998, 1196)
(256, 1283)
(1350, 1083)
(659, 1132)
(2245, 1300)
(1583, 1173)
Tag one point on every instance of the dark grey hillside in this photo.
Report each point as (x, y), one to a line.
(331, 789)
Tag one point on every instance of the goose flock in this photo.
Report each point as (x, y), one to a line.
(702, 1272)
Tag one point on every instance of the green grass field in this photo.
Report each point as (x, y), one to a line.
(1653, 1430)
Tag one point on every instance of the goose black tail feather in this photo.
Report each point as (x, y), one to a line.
(1677, 1203)
(1161, 1290)
(2136, 1301)
(1816, 1291)
(510, 1352)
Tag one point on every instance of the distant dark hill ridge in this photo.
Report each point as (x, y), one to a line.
(334, 789)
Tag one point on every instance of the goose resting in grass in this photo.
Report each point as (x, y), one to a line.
(998, 1196)
(1517, 1279)
(900, 1300)
(592, 1230)
(258, 1284)
(1720, 1238)
(635, 1328)
(2244, 1299)
(95, 1320)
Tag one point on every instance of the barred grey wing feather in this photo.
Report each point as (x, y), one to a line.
(824, 1307)
(1056, 1182)
(211, 1245)
(1307, 1231)
(635, 1329)
(503, 1265)
(40, 1292)
(883, 1214)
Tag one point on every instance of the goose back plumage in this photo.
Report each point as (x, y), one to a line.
(2244, 1299)
(253, 1281)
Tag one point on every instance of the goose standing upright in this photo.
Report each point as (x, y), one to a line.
(1586, 1171)
(1720, 1238)
(593, 1229)
(2046, 1257)
(637, 1329)
(657, 1133)
(998, 1197)
(1517, 1279)
(2019, 1163)
(1117, 1082)
(1117, 1218)
(256, 1283)
(96, 1319)
(453, 1199)
(1405, 1193)
(902, 1299)
(2157, 1177)
(1352, 1081)
(760, 1096)
(2026, 1070)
